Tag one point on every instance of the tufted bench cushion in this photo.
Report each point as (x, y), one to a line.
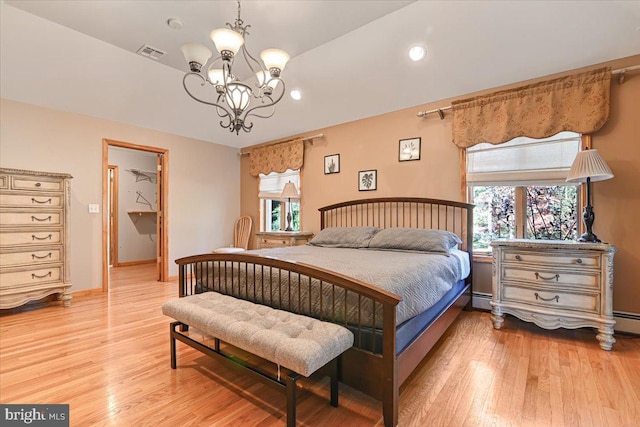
(299, 343)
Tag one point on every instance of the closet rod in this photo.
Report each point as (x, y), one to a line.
(620, 72)
(305, 139)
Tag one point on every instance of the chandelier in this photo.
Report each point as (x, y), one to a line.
(236, 100)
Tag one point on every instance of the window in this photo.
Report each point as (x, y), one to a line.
(273, 210)
(519, 189)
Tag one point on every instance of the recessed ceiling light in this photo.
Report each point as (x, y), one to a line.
(416, 53)
(295, 94)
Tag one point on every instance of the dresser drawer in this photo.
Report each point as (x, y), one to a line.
(30, 276)
(552, 299)
(36, 237)
(552, 277)
(36, 183)
(4, 181)
(32, 257)
(580, 259)
(30, 200)
(39, 219)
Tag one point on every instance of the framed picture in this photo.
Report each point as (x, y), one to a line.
(409, 149)
(368, 180)
(332, 164)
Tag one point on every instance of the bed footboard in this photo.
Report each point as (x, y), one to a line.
(368, 311)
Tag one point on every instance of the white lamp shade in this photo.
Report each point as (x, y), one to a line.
(290, 191)
(238, 95)
(274, 58)
(226, 39)
(589, 164)
(272, 83)
(196, 52)
(216, 77)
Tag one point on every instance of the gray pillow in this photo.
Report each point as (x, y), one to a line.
(417, 240)
(344, 237)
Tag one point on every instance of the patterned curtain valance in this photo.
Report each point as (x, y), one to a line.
(277, 157)
(578, 103)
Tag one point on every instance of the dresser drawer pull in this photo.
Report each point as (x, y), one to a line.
(538, 297)
(38, 184)
(34, 237)
(35, 218)
(579, 261)
(34, 200)
(35, 276)
(518, 257)
(34, 256)
(540, 276)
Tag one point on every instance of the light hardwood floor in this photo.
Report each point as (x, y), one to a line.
(108, 357)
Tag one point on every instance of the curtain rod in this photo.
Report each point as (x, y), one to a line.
(620, 72)
(305, 139)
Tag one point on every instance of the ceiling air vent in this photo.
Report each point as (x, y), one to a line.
(151, 52)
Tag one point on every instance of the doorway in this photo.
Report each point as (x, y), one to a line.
(153, 211)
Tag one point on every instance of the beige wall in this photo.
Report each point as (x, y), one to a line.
(373, 144)
(203, 189)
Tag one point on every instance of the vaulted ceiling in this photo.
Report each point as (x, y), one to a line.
(348, 58)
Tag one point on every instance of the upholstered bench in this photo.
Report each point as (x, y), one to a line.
(298, 344)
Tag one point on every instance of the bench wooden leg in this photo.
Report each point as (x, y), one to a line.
(290, 380)
(172, 344)
(333, 369)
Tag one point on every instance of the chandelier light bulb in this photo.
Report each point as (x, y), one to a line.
(227, 40)
(274, 59)
(272, 83)
(196, 55)
(295, 94)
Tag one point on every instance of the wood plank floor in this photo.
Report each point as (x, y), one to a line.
(108, 357)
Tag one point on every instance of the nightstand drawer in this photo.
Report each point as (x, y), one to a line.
(552, 299)
(587, 260)
(551, 277)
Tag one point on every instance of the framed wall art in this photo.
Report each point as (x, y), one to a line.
(409, 149)
(332, 164)
(368, 180)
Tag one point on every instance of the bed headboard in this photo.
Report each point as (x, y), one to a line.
(408, 212)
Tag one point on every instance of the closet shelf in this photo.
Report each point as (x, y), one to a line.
(142, 175)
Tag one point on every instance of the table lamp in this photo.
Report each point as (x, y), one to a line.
(289, 192)
(588, 166)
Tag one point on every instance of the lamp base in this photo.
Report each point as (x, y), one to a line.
(589, 237)
(288, 222)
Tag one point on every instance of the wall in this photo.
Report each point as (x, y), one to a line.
(203, 191)
(373, 144)
(136, 233)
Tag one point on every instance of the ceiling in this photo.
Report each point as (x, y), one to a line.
(348, 58)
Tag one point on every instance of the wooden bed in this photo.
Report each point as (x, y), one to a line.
(373, 367)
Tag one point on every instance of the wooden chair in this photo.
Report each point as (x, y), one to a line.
(241, 234)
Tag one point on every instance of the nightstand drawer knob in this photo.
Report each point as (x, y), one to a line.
(518, 257)
(540, 276)
(557, 298)
(579, 261)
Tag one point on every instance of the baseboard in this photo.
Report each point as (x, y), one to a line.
(87, 292)
(625, 322)
(128, 263)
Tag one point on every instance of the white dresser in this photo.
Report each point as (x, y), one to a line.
(555, 284)
(34, 236)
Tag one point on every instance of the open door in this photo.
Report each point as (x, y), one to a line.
(113, 215)
(162, 244)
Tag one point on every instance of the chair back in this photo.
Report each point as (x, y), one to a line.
(242, 232)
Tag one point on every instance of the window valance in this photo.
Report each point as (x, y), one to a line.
(277, 157)
(578, 103)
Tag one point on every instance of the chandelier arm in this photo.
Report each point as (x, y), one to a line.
(226, 114)
(271, 104)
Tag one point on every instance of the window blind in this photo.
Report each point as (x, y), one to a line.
(523, 161)
(271, 185)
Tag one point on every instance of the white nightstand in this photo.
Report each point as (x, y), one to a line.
(555, 284)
